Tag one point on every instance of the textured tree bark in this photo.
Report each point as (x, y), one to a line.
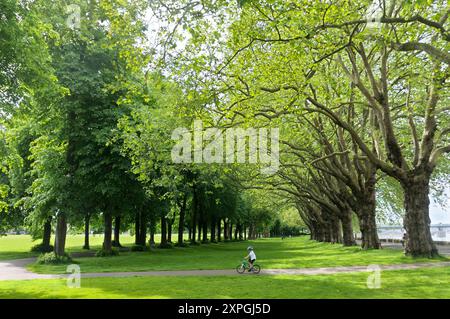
(225, 230)
(47, 233)
(169, 231)
(312, 234)
(251, 232)
(336, 235)
(163, 231)
(60, 234)
(327, 233)
(193, 219)
(87, 219)
(321, 232)
(151, 241)
(143, 223)
(213, 230)
(116, 241)
(347, 228)
(417, 218)
(199, 231)
(205, 232)
(199, 225)
(137, 228)
(181, 221)
(313, 231)
(219, 230)
(107, 240)
(368, 226)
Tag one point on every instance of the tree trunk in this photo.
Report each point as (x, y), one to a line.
(219, 230)
(327, 230)
(417, 218)
(193, 230)
(205, 231)
(347, 228)
(143, 223)
(181, 221)
(225, 230)
(213, 231)
(86, 231)
(230, 236)
(47, 233)
(169, 231)
(137, 228)
(107, 242)
(163, 231)
(60, 234)
(193, 224)
(245, 232)
(116, 241)
(152, 227)
(336, 231)
(194, 214)
(368, 226)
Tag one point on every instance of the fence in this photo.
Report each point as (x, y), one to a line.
(439, 232)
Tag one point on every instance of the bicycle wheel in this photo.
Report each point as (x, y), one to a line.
(256, 269)
(240, 269)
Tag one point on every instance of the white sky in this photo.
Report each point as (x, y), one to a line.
(440, 214)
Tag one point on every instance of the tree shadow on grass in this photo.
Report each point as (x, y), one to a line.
(393, 285)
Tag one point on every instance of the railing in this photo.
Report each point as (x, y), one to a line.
(438, 232)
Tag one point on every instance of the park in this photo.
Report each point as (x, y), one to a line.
(216, 149)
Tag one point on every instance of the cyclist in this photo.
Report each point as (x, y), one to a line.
(251, 257)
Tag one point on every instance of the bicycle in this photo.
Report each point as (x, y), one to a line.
(245, 265)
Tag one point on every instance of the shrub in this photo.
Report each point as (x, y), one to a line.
(52, 258)
(138, 248)
(104, 253)
(165, 246)
(41, 248)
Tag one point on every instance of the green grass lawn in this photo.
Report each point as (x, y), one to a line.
(417, 283)
(18, 246)
(297, 252)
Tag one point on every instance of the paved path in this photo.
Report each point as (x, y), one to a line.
(15, 270)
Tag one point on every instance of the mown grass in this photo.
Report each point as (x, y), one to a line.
(272, 253)
(417, 283)
(19, 246)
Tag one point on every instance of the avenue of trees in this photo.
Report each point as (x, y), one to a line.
(90, 93)
(87, 130)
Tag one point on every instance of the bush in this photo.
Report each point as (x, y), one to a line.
(52, 258)
(41, 248)
(165, 246)
(104, 253)
(138, 248)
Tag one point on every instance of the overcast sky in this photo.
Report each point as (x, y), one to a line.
(440, 214)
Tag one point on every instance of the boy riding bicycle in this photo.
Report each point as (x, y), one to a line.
(251, 257)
